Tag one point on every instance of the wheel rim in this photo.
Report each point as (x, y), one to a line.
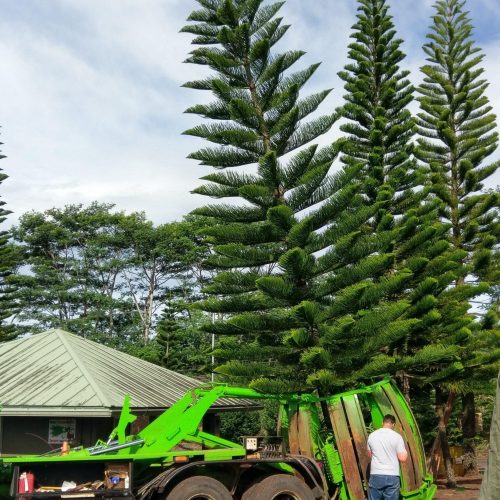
(286, 495)
(202, 497)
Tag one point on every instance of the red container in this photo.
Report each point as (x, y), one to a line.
(26, 482)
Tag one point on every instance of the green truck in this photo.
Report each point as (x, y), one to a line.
(319, 453)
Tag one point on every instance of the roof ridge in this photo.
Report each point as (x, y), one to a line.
(85, 372)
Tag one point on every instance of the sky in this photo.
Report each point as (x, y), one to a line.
(91, 96)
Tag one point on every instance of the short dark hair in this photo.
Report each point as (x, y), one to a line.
(389, 418)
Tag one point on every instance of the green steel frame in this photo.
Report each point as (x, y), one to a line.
(157, 444)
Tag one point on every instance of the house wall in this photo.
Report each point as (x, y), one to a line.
(26, 435)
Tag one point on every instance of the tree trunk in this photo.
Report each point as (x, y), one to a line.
(445, 449)
(434, 457)
(405, 384)
(166, 358)
(469, 433)
(443, 409)
(148, 309)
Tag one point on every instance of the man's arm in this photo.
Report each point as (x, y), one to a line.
(401, 450)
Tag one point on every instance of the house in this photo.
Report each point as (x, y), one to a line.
(56, 386)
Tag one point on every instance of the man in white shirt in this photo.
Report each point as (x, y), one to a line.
(386, 449)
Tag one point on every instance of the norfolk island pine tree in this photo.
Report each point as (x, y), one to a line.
(376, 94)
(457, 135)
(383, 326)
(9, 260)
(298, 222)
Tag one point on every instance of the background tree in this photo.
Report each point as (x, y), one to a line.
(9, 259)
(182, 344)
(186, 347)
(101, 273)
(457, 136)
(71, 274)
(160, 261)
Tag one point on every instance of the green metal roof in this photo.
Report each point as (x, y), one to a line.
(59, 373)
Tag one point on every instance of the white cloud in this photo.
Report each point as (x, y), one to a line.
(92, 106)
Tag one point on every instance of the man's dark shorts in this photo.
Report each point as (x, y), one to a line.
(383, 487)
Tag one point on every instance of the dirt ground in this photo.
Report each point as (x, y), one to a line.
(467, 489)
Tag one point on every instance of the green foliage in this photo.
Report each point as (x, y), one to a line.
(6, 472)
(339, 276)
(309, 264)
(264, 248)
(457, 134)
(236, 424)
(184, 346)
(456, 137)
(9, 260)
(384, 298)
(379, 127)
(72, 261)
(100, 273)
(151, 352)
(422, 405)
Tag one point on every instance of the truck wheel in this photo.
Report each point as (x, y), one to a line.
(282, 487)
(199, 488)
(249, 494)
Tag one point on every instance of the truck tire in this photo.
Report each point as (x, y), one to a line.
(199, 488)
(249, 493)
(282, 487)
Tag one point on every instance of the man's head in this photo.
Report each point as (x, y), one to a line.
(389, 421)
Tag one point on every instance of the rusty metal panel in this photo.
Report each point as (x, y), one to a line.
(346, 450)
(415, 452)
(358, 431)
(407, 470)
(304, 430)
(293, 431)
(283, 426)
